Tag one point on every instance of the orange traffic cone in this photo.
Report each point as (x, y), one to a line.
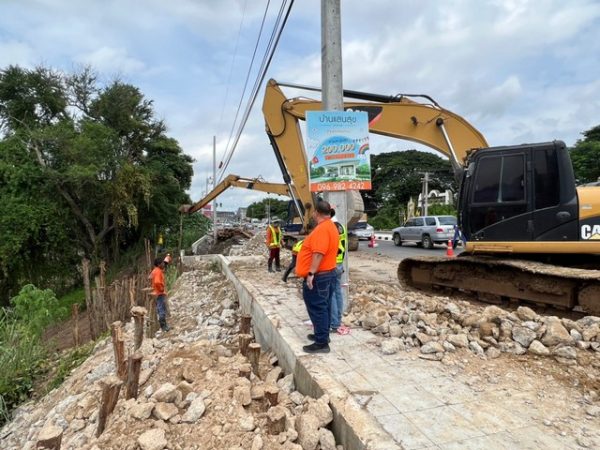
(372, 243)
(450, 250)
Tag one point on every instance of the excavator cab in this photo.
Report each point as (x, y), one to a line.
(523, 193)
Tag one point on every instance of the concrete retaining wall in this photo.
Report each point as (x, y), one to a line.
(352, 426)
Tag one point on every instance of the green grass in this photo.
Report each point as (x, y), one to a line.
(68, 362)
(76, 296)
(24, 360)
(170, 277)
(21, 357)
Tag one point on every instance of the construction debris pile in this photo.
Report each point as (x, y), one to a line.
(229, 240)
(196, 391)
(438, 326)
(254, 246)
(228, 233)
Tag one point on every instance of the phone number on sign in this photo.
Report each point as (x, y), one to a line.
(343, 186)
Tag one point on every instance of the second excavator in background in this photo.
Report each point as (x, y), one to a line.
(257, 184)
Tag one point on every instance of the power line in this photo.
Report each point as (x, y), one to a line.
(228, 149)
(257, 85)
(248, 74)
(232, 64)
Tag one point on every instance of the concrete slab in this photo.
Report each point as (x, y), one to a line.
(530, 438)
(489, 418)
(443, 424)
(498, 441)
(386, 402)
(449, 391)
(403, 431)
(378, 405)
(408, 398)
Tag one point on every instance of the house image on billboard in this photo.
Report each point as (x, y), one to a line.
(345, 171)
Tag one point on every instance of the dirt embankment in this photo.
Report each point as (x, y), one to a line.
(196, 390)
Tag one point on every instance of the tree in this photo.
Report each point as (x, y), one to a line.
(194, 226)
(38, 243)
(396, 176)
(258, 210)
(585, 155)
(85, 170)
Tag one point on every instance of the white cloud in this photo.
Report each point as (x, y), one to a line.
(109, 59)
(519, 70)
(16, 53)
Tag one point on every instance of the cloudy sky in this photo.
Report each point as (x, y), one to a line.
(519, 70)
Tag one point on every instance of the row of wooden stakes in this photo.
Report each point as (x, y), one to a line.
(127, 371)
(275, 416)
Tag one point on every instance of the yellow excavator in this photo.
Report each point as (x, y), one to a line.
(292, 230)
(257, 184)
(528, 228)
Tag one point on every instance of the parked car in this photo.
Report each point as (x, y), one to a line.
(425, 231)
(362, 230)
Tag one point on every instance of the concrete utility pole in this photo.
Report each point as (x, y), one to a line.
(214, 184)
(333, 99)
(425, 194)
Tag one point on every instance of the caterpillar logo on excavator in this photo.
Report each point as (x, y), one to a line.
(591, 232)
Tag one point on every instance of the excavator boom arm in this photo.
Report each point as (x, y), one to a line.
(246, 183)
(398, 117)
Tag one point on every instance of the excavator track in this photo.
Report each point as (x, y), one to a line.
(493, 279)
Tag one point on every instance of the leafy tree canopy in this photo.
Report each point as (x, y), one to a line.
(396, 176)
(259, 210)
(85, 170)
(585, 155)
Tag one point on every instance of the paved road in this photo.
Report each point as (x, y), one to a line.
(388, 248)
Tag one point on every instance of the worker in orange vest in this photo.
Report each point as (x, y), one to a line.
(274, 244)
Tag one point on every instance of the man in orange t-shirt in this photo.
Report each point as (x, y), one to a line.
(158, 288)
(316, 263)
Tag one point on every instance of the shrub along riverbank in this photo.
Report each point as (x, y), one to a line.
(27, 366)
(23, 355)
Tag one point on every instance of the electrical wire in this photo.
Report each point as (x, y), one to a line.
(228, 149)
(257, 85)
(248, 75)
(237, 41)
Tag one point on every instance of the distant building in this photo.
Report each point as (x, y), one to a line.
(226, 216)
(436, 197)
(207, 211)
(241, 214)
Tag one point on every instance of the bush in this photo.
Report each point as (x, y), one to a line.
(36, 308)
(170, 277)
(21, 355)
(386, 218)
(382, 223)
(76, 296)
(441, 210)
